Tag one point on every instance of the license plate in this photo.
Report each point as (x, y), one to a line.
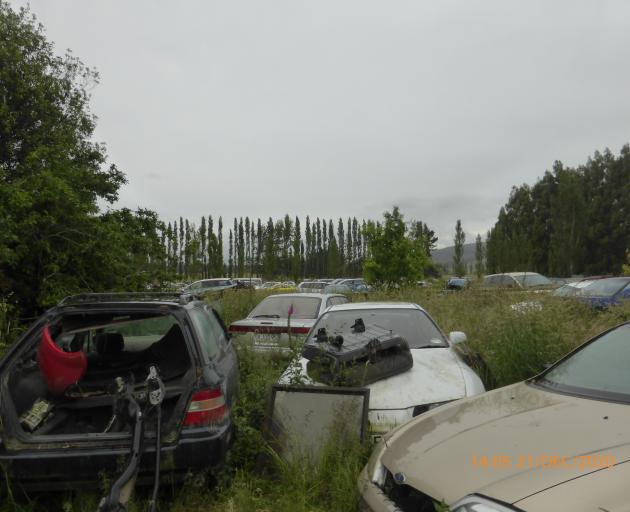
(266, 338)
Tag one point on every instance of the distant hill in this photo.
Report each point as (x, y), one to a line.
(445, 256)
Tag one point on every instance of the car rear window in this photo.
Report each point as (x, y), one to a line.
(278, 307)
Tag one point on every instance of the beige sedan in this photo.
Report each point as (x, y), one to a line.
(560, 441)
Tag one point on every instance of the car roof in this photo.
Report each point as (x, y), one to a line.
(352, 306)
(314, 295)
(512, 274)
(129, 300)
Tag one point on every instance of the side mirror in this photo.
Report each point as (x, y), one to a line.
(457, 337)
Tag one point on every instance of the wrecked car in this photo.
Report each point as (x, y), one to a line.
(60, 420)
(394, 349)
(267, 326)
(558, 441)
(603, 293)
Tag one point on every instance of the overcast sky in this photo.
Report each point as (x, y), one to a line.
(345, 108)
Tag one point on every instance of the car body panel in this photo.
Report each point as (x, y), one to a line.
(603, 493)
(515, 421)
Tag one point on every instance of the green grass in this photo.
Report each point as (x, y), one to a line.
(515, 346)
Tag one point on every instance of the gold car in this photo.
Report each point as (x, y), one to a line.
(559, 441)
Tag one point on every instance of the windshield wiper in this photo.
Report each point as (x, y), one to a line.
(266, 316)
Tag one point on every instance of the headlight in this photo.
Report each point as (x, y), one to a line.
(375, 470)
(475, 503)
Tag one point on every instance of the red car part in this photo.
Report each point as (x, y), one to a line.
(60, 369)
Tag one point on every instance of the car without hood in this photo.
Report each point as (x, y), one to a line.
(59, 425)
(603, 293)
(267, 325)
(209, 285)
(558, 441)
(518, 280)
(438, 374)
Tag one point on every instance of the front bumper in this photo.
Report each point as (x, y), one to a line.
(372, 498)
(72, 468)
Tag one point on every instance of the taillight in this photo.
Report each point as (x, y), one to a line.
(207, 407)
(241, 328)
(268, 329)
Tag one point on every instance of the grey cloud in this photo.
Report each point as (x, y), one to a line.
(343, 108)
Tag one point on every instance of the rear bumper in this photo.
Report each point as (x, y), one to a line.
(72, 468)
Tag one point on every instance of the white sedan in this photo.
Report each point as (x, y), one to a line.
(268, 323)
(438, 375)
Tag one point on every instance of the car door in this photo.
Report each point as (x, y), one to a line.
(217, 347)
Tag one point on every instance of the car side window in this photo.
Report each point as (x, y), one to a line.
(217, 326)
(508, 282)
(626, 292)
(206, 331)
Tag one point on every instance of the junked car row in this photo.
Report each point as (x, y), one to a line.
(67, 386)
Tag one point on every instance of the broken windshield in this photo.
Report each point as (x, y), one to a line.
(412, 324)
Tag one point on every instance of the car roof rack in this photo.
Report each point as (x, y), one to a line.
(85, 298)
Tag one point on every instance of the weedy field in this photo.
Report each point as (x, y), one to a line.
(515, 343)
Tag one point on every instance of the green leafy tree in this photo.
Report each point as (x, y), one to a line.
(394, 258)
(269, 256)
(241, 248)
(52, 174)
(220, 266)
(296, 263)
(479, 252)
(230, 254)
(459, 268)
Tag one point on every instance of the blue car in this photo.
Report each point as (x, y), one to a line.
(603, 293)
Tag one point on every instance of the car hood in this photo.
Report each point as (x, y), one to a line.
(435, 377)
(513, 422)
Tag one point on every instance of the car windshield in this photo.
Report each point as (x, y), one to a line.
(599, 370)
(532, 279)
(604, 287)
(412, 324)
(278, 307)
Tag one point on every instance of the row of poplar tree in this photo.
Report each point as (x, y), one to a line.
(272, 249)
(572, 221)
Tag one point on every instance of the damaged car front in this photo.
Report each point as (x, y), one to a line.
(558, 441)
(393, 348)
(60, 425)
